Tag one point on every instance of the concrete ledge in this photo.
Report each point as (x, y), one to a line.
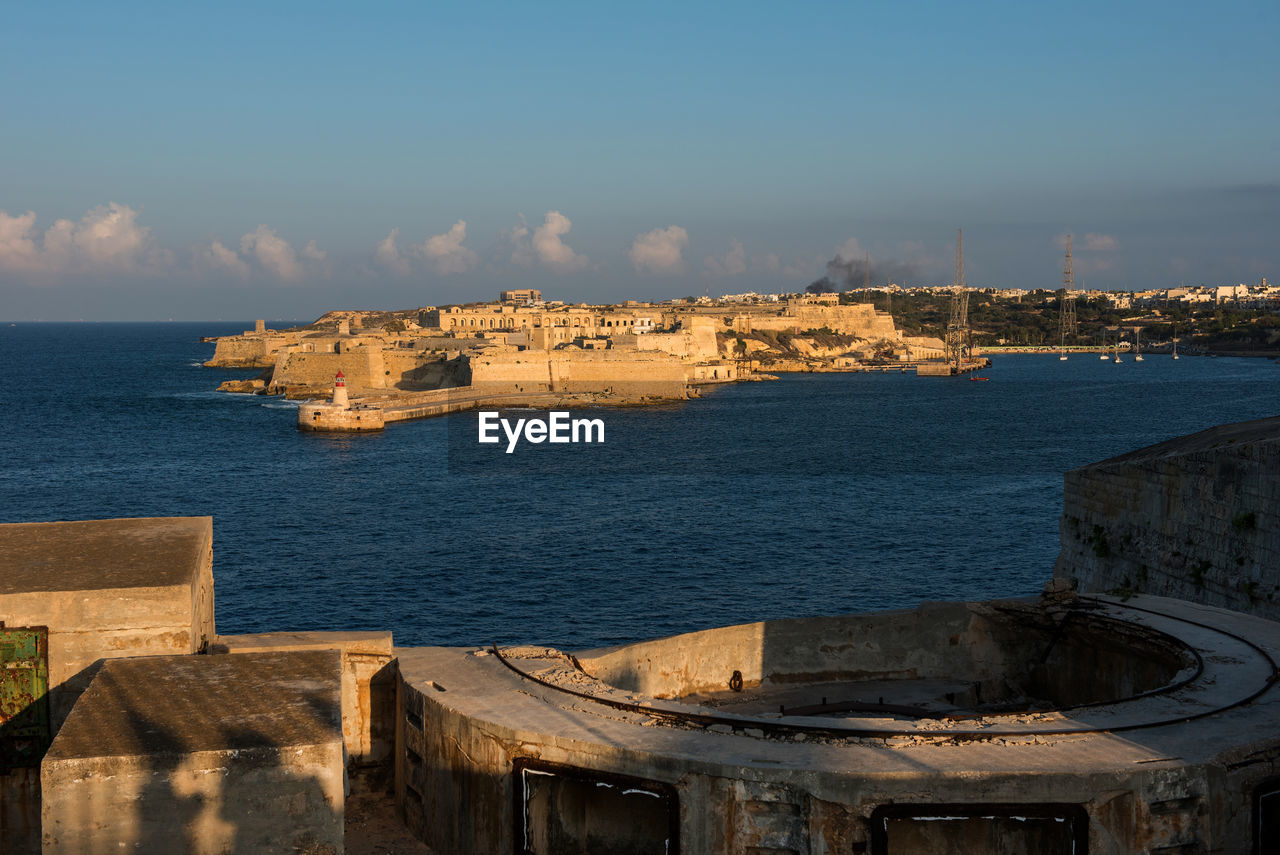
(368, 689)
(1180, 768)
(207, 754)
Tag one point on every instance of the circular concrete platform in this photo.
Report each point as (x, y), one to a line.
(1049, 726)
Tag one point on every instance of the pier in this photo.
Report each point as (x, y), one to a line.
(374, 412)
(951, 369)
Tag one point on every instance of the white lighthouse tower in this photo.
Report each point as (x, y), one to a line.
(340, 391)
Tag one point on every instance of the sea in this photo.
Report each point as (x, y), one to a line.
(814, 494)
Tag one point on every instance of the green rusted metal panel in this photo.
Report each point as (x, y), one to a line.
(24, 695)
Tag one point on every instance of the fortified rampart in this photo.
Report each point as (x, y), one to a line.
(1197, 517)
(615, 374)
(801, 315)
(363, 367)
(248, 351)
(695, 339)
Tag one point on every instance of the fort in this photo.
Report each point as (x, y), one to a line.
(521, 351)
(1120, 711)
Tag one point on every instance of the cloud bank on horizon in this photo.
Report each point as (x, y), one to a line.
(111, 239)
(86, 262)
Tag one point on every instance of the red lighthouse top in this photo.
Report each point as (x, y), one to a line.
(339, 379)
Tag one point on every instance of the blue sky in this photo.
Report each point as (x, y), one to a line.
(235, 160)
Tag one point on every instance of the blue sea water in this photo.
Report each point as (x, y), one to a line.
(814, 494)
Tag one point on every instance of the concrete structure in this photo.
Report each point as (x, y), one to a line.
(1197, 517)
(1061, 726)
(208, 755)
(367, 688)
(106, 589)
(92, 591)
(162, 752)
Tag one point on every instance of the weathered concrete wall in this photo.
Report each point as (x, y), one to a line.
(200, 754)
(107, 589)
(1197, 518)
(1006, 651)
(205, 803)
(368, 686)
(470, 725)
(20, 811)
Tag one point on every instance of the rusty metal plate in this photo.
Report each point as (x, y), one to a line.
(24, 695)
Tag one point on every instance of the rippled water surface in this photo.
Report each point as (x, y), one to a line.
(815, 494)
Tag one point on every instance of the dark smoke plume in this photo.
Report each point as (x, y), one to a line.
(849, 275)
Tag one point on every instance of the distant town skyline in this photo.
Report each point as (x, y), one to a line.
(236, 161)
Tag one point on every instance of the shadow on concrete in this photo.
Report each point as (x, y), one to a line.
(153, 773)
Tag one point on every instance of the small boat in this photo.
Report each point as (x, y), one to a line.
(976, 379)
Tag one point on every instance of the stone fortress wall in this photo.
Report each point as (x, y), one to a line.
(1197, 517)
(628, 375)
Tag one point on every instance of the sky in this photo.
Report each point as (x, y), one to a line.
(231, 161)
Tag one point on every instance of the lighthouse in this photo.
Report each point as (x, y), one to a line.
(340, 391)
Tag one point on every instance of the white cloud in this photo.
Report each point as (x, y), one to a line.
(107, 237)
(545, 245)
(110, 235)
(315, 260)
(732, 263)
(388, 255)
(311, 252)
(521, 246)
(771, 263)
(658, 251)
(272, 252)
(1100, 243)
(446, 252)
(549, 245)
(18, 250)
(219, 257)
